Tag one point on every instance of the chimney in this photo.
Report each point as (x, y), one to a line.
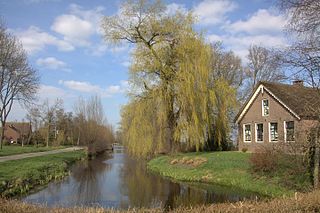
(297, 83)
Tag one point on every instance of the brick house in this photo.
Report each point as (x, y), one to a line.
(277, 114)
(15, 131)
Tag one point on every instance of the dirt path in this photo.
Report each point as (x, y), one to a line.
(36, 154)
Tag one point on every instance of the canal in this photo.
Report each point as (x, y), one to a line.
(115, 180)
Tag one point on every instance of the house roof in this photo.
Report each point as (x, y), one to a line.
(22, 127)
(302, 102)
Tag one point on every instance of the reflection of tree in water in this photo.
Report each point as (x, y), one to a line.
(148, 190)
(141, 188)
(199, 194)
(88, 176)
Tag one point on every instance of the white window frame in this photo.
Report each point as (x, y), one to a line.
(256, 133)
(269, 132)
(285, 131)
(262, 107)
(244, 133)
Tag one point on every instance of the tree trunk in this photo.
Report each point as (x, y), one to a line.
(78, 140)
(2, 135)
(48, 135)
(171, 122)
(316, 163)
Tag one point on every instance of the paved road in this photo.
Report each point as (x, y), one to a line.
(36, 154)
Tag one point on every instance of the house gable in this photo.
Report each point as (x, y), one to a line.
(261, 89)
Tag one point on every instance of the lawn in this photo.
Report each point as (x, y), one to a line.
(220, 168)
(15, 149)
(20, 176)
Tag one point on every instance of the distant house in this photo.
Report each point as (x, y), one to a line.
(16, 132)
(277, 113)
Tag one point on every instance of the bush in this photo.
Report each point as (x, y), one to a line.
(244, 150)
(291, 169)
(265, 161)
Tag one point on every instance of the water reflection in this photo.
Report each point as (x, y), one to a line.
(118, 181)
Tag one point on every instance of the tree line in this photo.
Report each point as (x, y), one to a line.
(85, 126)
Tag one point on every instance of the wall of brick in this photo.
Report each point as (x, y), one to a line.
(278, 114)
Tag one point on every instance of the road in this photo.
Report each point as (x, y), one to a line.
(36, 154)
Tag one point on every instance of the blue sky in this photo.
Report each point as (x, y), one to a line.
(65, 44)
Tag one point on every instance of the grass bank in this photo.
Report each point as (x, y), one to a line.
(309, 202)
(15, 149)
(18, 177)
(230, 169)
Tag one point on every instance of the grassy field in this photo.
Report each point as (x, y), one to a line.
(309, 202)
(221, 168)
(15, 149)
(20, 176)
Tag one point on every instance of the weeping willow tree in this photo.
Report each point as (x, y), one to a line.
(174, 100)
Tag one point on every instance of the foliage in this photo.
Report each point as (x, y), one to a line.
(230, 169)
(20, 176)
(174, 100)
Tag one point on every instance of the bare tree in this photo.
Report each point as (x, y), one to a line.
(93, 129)
(303, 57)
(226, 65)
(18, 80)
(303, 17)
(263, 65)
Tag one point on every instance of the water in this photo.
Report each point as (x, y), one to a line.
(117, 181)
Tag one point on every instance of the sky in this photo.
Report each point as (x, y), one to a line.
(64, 42)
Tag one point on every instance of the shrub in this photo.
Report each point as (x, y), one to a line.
(290, 168)
(244, 150)
(264, 161)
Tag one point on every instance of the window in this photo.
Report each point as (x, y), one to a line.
(247, 133)
(289, 130)
(265, 107)
(273, 132)
(259, 132)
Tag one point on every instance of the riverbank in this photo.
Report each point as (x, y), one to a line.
(15, 149)
(231, 169)
(309, 202)
(18, 177)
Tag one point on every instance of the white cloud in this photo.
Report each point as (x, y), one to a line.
(263, 21)
(74, 29)
(34, 39)
(53, 64)
(213, 11)
(174, 7)
(241, 43)
(113, 89)
(263, 28)
(93, 16)
(78, 25)
(82, 86)
(51, 92)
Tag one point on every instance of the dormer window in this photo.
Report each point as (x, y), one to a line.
(265, 107)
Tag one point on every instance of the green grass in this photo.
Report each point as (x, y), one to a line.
(18, 177)
(222, 168)
(15, 149)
